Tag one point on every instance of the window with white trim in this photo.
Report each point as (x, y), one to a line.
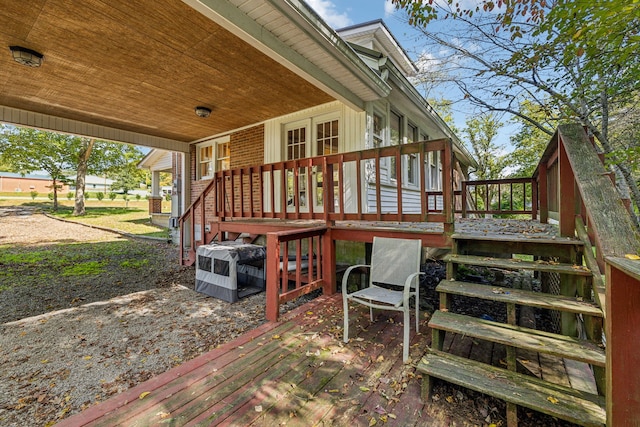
(396, 136)
(412, 159)
(212, 156)
(378, 130)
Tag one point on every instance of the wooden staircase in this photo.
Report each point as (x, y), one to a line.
(577, 342)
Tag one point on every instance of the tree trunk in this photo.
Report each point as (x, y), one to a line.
(55, 195)
(83, 161)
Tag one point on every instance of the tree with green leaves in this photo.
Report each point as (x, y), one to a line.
(578, 61)
(529, 142)
(481, 132)
(125, 173)
(28, 150)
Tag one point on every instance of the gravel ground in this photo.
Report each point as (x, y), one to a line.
(74, 351)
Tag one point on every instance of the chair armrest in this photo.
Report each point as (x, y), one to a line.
(347, 272)
(407, 284)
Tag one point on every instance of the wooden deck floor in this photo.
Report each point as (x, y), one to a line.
(296, 372)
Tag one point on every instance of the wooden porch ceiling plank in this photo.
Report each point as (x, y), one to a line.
(110, 63)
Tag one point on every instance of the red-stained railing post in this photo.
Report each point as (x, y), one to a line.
(273, 276)
(623, 336)
(543, 193)
(328, 263)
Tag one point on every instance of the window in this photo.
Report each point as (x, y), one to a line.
(378, 130)
(296, 143)
(223, 156)
(296, 138)
(205, 162)
(412, 159)
(327, 138)
(395, 126)
(213, 156)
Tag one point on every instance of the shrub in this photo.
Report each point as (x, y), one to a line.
(100, 195)
(167, 197)
(87, 195)
(112, 196)
(34, 194)
(138, 197)
(70, 195)
(125, 196)
(50, 196)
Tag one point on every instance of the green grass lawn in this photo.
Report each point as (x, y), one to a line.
(132, 217)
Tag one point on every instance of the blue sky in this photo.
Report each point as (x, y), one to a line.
(342, 13)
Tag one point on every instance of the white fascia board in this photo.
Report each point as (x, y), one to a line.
(32, 119)
(242, 26)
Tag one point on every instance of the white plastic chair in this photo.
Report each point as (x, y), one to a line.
(393, 262)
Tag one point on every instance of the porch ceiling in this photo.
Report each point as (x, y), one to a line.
(136, 70)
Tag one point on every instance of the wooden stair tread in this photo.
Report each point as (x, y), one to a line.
(516, 336)
(521, 297)
(552, 399)
(517, 238)
(516, 264)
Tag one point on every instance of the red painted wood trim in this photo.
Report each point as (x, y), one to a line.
(623, 357)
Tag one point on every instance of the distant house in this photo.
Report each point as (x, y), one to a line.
(158, 161)
(18, 183)
(43, 184)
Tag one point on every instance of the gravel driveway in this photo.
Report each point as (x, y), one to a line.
(75, 351)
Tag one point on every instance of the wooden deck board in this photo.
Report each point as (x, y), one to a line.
(297, 372)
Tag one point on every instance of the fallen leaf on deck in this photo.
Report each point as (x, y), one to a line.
(276, 337)
(372, 422)
(380, 359)
(392, 416)
(552, 400)
(449, 399)
(258, 408)
(632, 256)
(144, 394)
(87, 358)
(364, 389)
(380, 410)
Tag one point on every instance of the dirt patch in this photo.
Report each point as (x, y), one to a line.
(83, 338)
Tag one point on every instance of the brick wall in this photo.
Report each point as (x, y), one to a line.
(246, 149)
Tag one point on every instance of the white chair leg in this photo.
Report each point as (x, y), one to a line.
(417, 315)
(345, 331)
(405, 344)
(371, 313)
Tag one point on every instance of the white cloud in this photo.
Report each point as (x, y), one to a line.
(389, 8)
(327, 10)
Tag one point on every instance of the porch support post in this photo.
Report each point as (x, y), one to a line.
(273, 282)
(623, 336)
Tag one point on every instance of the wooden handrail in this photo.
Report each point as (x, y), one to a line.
(589, 206)
(275, 191)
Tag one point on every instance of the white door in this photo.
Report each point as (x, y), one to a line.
(297, 137)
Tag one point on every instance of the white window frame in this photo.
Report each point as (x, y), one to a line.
(213, 160)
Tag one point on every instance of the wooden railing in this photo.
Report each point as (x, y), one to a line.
(298, 262)
(508, 196)
(572, 179)
(346, 186)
